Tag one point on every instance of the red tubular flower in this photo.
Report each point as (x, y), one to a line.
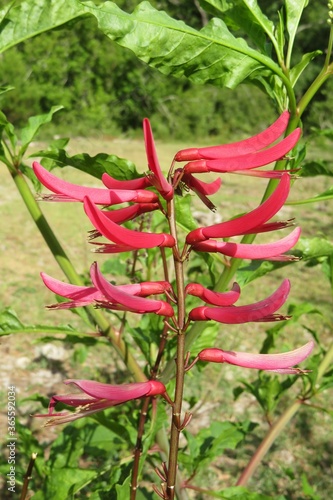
(252, 221)
(84, 295)
(245, 161)
(128, 302)
(279, 363)
(214, 298)
(97, 397)
(66, 191)
(259, 311)
(251, 145)
(121, 235)
(265, 251)
(156, 177)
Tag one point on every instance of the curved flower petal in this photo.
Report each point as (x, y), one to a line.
(97, 396)
(246, 161)
(128, 301)
(280, 363)
(78, 295)
(265, 251)
(85, 295)
(214, 298)
(121, 235)
(111, 183)
(124, 392)
(247, 222)
(259, 311)
(66, 191)
(250, 145)
(156, 177)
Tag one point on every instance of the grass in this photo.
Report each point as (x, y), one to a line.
(24, 255)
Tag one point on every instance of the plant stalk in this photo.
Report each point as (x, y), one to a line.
(267, 442)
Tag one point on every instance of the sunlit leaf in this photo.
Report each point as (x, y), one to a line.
(211, 55)
(247, 15)
(27, 19)
(298, 69)
(294, 11)
(96, 166)
(29, 131)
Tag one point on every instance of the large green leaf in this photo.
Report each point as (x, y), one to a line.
(211, 55)
(27, 19)
(96, 166)
(247, 15)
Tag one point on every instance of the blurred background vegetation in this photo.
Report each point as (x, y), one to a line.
(116, 91)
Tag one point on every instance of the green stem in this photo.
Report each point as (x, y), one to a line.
(267, 442)
(325, 364)
(325, 73)
(67, 267)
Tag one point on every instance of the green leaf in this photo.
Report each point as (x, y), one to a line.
(3, 90)
(209, 443)
(294, 11)
(298, 69)
(247, 15)
(317, 167)
(314, 248)
(27, 19)
(211, 55)
(34, 123)
(10, 323)
(326, 195)
(65, 482)
(184, 210)
(96, 166)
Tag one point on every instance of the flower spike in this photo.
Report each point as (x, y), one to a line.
(251, 221)
(155, 176)
(66, 191)
(121, 235)
(279, 363)
(265, 251)
(251, 145)
(246, 161)
(259, 311)
(97, 396)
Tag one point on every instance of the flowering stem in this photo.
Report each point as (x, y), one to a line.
(28, 475)
(138, 447)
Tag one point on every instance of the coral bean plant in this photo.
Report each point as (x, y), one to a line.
(164, 319)
(154, 191)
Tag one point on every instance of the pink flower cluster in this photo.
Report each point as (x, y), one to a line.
(151, 192)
